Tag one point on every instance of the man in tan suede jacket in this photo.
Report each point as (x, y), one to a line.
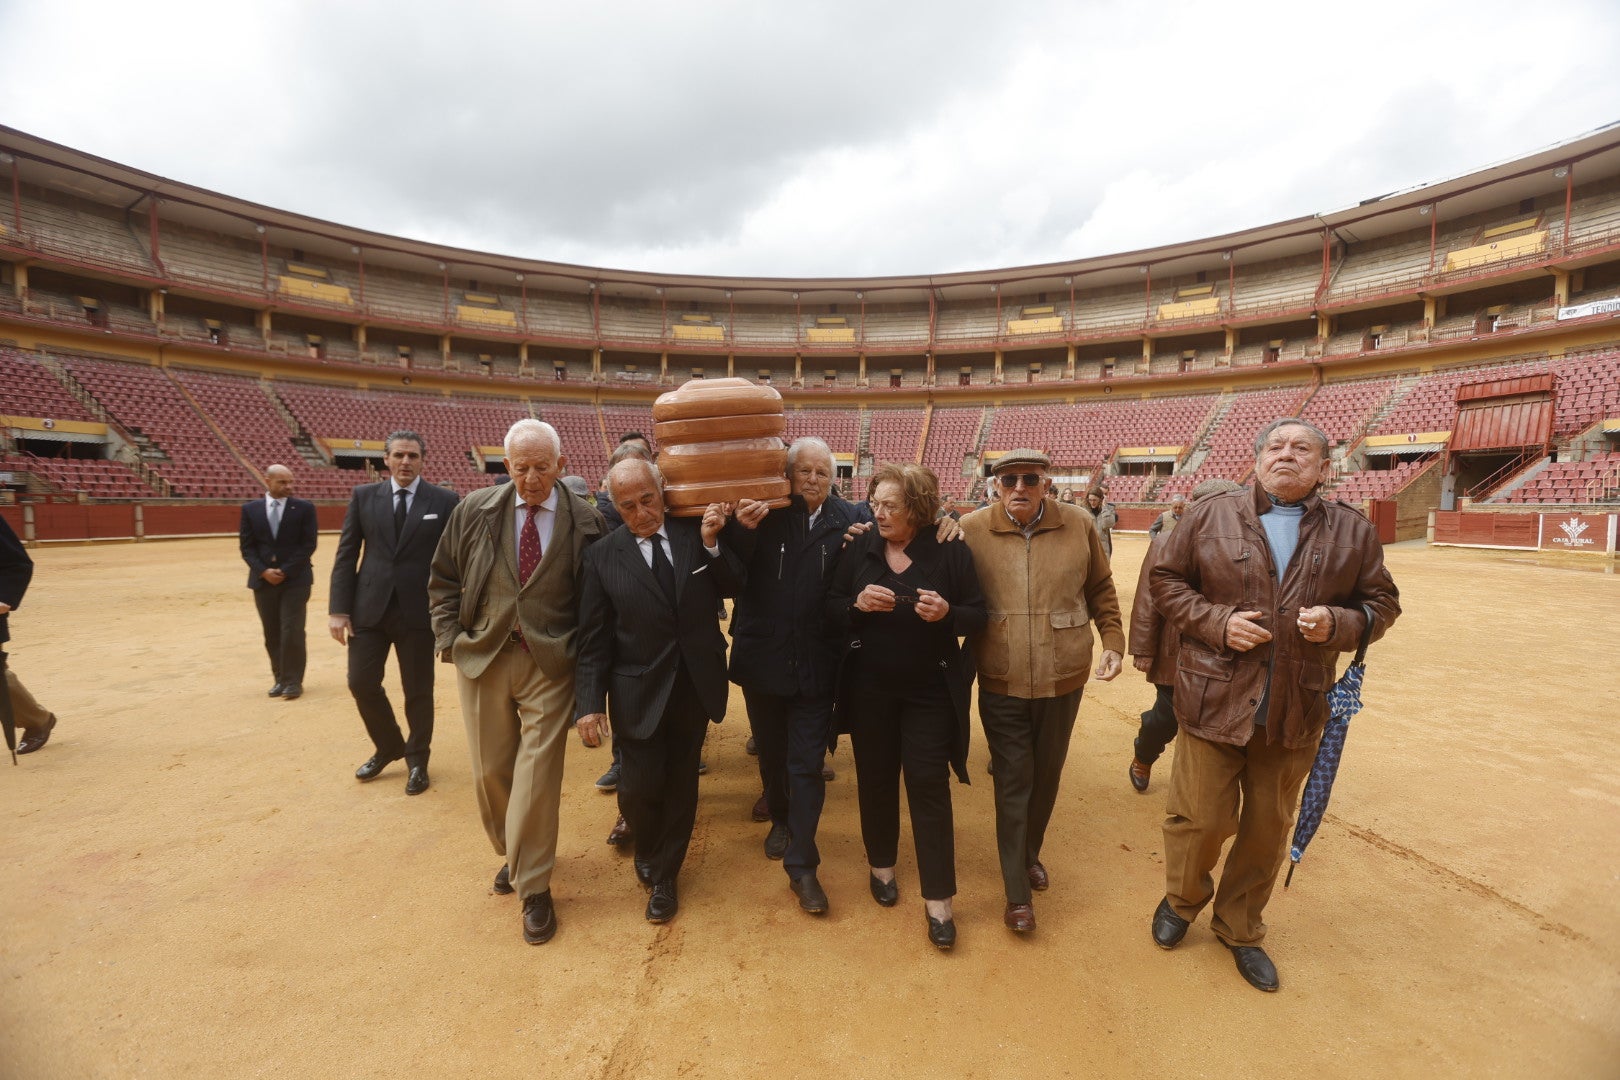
(1046, 580)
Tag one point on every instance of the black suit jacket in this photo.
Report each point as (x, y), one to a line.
(16, 568)
(288, 551)
(361, 586)
(632, 641)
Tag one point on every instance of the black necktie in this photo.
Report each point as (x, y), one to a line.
(399, 512)
(661, 568)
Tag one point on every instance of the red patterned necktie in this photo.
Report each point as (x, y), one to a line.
(528, 559)
(528, 547)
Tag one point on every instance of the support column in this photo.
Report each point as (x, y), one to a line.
(663, 367)
(444, 351)
(1146, 366)
(1561, 287)
(995, 376)
(523, 360)
(731, 365)
(798, 370)
(1232, 340)
(860, 370)
(596, 365)
(1068, 363)
(19, 280)
(1324, 327)
(154, 305)
(263, 321)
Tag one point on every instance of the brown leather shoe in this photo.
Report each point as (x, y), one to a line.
(1037, 877)
(762, 809)
(37, 737)
(1020, 918)
(539, 918)
(1139, 776)
(620, 834)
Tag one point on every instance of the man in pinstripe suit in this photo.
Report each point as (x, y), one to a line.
(652, 658)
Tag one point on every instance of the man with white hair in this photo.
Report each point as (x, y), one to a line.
(504, 598)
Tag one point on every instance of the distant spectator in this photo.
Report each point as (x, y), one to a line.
(16, 568)
(1166, 522)
(1102, 511)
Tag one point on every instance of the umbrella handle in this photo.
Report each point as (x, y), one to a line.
(1290, 876)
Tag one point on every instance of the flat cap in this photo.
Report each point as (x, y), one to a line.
(1014, 458)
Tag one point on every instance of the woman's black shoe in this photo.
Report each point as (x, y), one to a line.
(886, 893)
(941, 934)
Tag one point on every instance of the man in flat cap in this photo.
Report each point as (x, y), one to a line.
(1046, 580)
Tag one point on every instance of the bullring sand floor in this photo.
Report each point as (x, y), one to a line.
(192, 884)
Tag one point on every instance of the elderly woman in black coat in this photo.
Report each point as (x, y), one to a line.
(902, 602)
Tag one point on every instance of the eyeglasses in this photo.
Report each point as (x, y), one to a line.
(1010, 480)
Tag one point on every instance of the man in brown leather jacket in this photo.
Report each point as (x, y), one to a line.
(1266, 586)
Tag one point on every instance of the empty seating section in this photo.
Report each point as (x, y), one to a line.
(28, 388)
(81, 231)
(1231, 440)
(1377, 483)
(1571, 481)
(211, 259)
(1283, 286)
(580, 429)
(953, 444)
(97, 479)
(451, 427)
(1343, 410)
(1587, 390)
(840, 429)
(1129, 488)
(1087, 435)
(242, 408)
(143, 401)
(894, 435)
(966, 322)
(764, 326)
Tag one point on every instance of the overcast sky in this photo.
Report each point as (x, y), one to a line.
(811, 138)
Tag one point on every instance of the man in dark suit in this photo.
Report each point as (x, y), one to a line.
(381, 600)
(277, 537)
(652, 658)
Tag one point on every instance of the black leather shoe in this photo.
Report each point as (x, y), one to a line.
(609, 781)
(1168, 927)
(644, 874)
(1255, 966)
(374, 765)
(292, 691)
(503, 881)
(619, 836)
(277, 690)
(812, 898)
(886, 893)
(416, 781)
(942, 935)
(762, 809)
(751, 747)
(37, 737)
(776, 841)
(662, 904)
(539, 918)
(1140, 774)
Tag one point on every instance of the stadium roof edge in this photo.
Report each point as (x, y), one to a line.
(1381, 215)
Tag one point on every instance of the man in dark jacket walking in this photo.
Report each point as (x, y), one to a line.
(1266, 586)
(781, 655)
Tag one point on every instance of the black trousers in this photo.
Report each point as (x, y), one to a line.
(281, 616)
(1158, 726)
(658, 781)
(413, 651)
(895, 734)
(791, 736)
(1029, 741)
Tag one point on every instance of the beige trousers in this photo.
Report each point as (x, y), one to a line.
(517, 729)
(1218, 791)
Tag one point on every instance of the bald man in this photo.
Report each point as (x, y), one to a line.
(278, 535)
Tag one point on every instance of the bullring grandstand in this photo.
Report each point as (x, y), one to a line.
(161, 344)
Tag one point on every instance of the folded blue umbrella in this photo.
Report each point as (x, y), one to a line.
(1344, 701)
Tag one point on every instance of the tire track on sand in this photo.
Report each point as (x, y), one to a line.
(1468, 884)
